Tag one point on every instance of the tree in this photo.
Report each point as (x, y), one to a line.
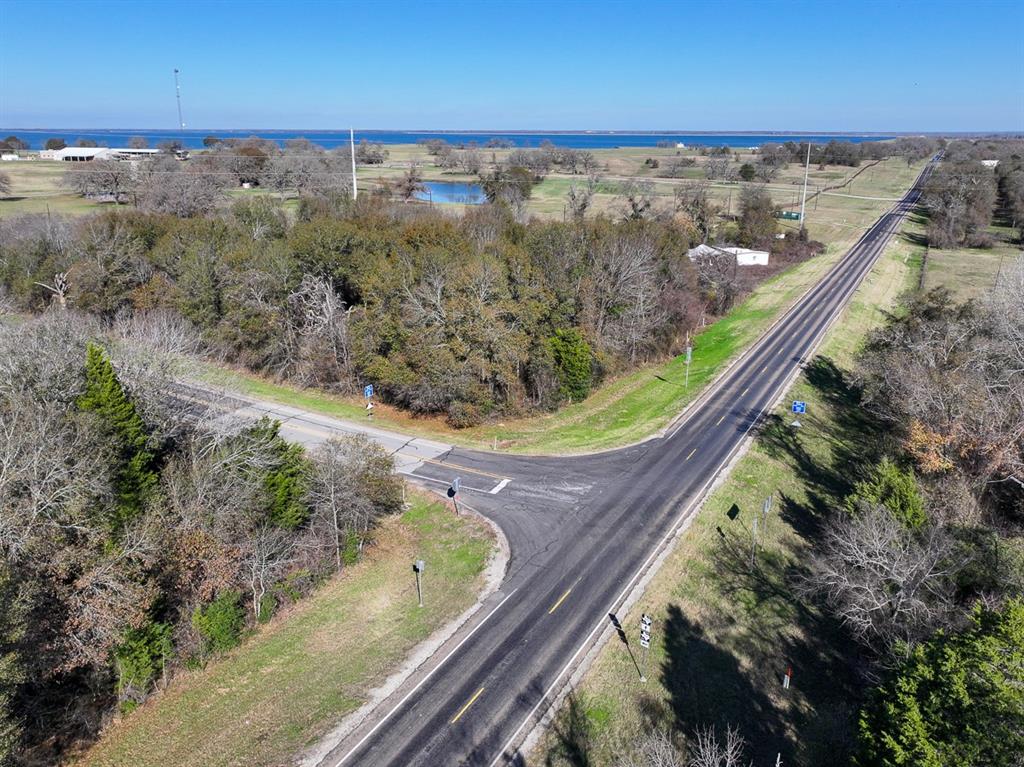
(757, 217)
(136, 476)
(638, 197)
(410, 184)
(210, 141)
(894, 488)
(14, 144)
(706, 750)
(957, 699)
(138, 142)
(368, 153)
(886, 583)
(573, 364)
(694, 199)
(5, 184)
(55, 144)
(747, 172)
(101, 178)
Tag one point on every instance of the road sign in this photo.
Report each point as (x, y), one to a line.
(453, 488)
(799, 407)
(689, 354)
(789, 215)
(368, 391)
(420, 566)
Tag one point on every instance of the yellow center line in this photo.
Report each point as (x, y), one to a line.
(721, 419)
(691, 454)
(468, 704)
(562, 598)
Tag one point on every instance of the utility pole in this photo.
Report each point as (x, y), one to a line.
(753, 542)
(689, 359)
(177, 91)
(803, 200)
(352, 148)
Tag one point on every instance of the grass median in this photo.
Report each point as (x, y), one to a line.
(295, 678)
(725, 632)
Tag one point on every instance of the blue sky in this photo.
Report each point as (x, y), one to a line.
(821, 66)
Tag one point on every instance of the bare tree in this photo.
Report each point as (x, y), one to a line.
(884, 582)
(137, 142)
(266, 555)
(638, 198)
(656, 748)
(5, 184)
(706, 750)
(101, 178)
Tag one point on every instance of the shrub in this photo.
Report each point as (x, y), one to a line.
(462, 415)
(573, 363)
(894, 488)
(220, 623)
(139, 657)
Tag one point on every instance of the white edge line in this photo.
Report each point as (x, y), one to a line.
(771, 403)
(423, 681)
(500, 486)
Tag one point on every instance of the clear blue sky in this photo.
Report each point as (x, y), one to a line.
(828, 66)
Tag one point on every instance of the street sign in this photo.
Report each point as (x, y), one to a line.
(789, 215)
(453, 489)
(419, 566)
(368, 391)
(689, 354)
(799, 407)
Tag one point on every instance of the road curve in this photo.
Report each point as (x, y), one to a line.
(581, 531)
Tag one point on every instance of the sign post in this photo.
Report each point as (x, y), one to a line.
(418, 567)
(645, 642)
(368, 394)
(453, 493)
(689, 359)
(799, 408)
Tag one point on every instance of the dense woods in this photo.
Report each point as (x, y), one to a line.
(925, 564)
(463, 317)
(137, 535)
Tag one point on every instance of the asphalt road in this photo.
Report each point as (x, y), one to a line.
(581, 530)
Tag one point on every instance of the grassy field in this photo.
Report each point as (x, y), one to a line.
(291, 682)
(725, 633)
(968, 272)
(36, 188)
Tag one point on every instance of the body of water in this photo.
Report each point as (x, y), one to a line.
(452, 191)
(193, 139)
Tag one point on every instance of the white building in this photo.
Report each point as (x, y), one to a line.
(743, 256)
(77, 154)
(990, 163)
(9, 157)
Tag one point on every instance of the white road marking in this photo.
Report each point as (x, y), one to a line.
(499, 487)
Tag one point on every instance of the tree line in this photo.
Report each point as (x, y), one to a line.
(140, 534)
(924, 565)
(465, 317)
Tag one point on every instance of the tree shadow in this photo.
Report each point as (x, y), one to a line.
(573, 734)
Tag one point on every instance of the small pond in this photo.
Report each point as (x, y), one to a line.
(452, 191)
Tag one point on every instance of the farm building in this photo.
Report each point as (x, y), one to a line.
(743, 256)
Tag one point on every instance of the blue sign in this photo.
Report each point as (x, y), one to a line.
(799, 407)
(368, 391)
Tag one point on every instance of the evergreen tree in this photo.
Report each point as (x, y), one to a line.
(135, 475)
(957, 700)
(573, 363)
(286, 480)
(895, 489)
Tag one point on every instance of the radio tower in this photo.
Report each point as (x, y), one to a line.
(177, 90)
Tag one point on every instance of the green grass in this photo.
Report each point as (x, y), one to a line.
(295, 678)
(724, 634)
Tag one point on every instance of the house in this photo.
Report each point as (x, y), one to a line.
(9, 157)
(990, 163)
(743, 256)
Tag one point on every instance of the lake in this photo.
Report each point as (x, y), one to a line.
(452, 191)
(330, 139)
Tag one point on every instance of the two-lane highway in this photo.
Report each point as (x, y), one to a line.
(582, 531)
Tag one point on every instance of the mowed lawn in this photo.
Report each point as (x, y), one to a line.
(295, 678)
(724, 633)
(970, 272)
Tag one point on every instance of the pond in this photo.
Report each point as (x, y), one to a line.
(452, 191)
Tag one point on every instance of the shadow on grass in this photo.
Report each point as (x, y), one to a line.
(572, 732)
(855, 442)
